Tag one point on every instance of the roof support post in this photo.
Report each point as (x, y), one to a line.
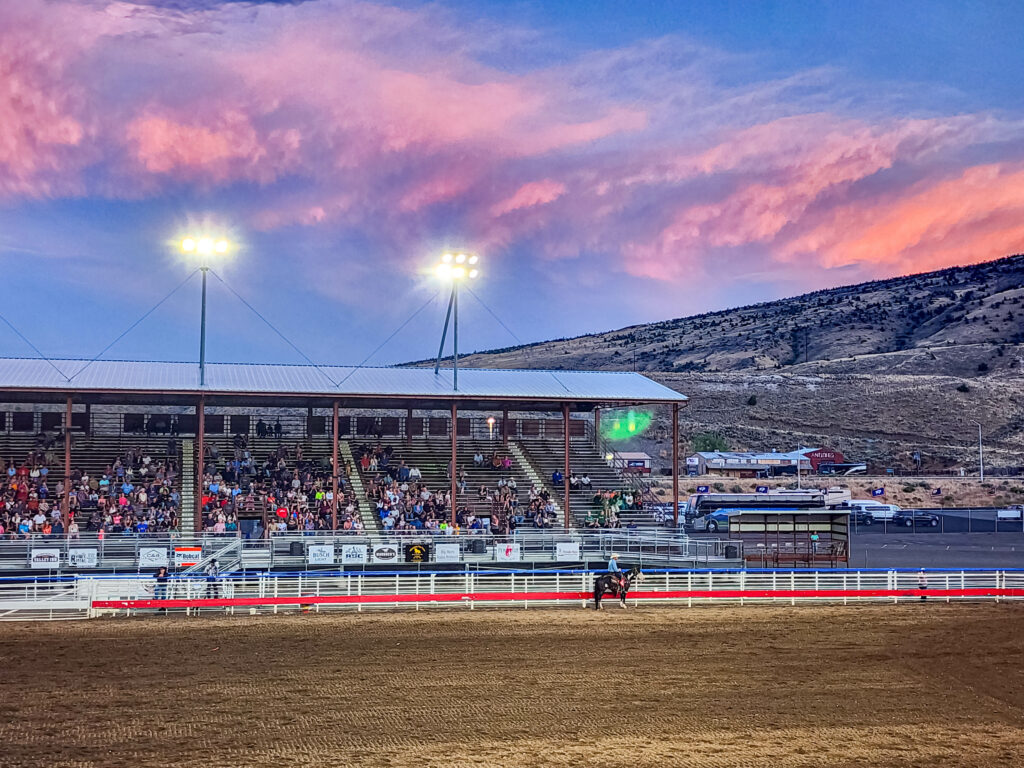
(565, 476)
(675, 466)
(597, 427)
(455, 463)
(504, 427)
(66, 500)
(408, 427)
(197, 518)
(334, 467)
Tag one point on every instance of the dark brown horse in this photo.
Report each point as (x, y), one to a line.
(617, 584)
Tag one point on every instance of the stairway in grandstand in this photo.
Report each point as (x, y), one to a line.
(432, 456)
(548, 456)
(371, 523)
(535, 477)
(187, 512)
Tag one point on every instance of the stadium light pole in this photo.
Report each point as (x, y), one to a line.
(456, 267)
(204, 248)
(981, 454)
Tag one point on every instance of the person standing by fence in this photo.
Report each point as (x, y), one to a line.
(213, 580)
(922, 583)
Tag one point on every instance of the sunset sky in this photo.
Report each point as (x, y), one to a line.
(612, 163)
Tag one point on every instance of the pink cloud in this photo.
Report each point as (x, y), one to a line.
(529, 195)
(382, 123)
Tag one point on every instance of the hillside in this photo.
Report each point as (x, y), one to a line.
(975, 308)
(892, 367)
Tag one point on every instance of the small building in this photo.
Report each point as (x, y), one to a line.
(819, 456)
(746, 463)
(632, 462)
(792, 537)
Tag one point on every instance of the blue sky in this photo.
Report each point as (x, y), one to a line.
(613, 163)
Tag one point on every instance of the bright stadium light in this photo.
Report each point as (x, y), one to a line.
(204, 246)
(452, 267)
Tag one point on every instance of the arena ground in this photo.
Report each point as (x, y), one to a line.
(911, 685)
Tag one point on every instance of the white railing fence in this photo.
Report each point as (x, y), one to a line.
(88, 596)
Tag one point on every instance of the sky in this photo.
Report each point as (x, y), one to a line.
(611, 163)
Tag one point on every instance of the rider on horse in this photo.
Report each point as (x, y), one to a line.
(613, 567)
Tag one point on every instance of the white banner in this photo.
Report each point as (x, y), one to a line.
(353, 554)
(152, 557)
(186, 556)
(83, 558)
(387, 553)
(320, 554)
(567, 550)
(447, 552)
(45, 558)
(507, 552)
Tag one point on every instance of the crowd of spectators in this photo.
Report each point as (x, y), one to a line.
(293, 492)
(134, 494)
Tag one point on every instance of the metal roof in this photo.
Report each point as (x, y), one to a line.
(34, 375)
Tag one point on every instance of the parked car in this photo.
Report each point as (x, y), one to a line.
(878, 510)
(1013, 512)
(862, 516)
(914, 517)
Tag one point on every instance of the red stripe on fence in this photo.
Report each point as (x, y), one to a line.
(454, 597)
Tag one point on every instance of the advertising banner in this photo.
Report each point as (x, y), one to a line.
(320, 554)
(417, 553)
(353, 554)
(703, 488)
(45, 558)
(567, 550)
(83, 558)
(507, 552)
(152, 557)
(386, 553)
(186, 556)
(447, 552)
(762, 489)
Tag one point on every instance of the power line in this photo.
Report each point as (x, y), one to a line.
(389, 338)
(500, 322)
(273, 328)
(35, 348)
(133, 325)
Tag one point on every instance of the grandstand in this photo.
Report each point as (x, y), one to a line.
(258, 447)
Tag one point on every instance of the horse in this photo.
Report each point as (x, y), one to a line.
(610, 582)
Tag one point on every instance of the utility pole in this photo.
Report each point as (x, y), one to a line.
(981, 455)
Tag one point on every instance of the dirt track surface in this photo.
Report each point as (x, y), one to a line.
(911, 685)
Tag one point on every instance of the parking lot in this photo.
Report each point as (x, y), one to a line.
(950, 521)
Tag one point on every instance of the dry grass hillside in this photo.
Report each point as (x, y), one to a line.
(977, 309)
(877, 370)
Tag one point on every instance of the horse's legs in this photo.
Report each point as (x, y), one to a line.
(622, 599)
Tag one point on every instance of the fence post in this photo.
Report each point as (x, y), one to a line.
(792, 587)
(947, 587)
(689, 589)
(845, 596)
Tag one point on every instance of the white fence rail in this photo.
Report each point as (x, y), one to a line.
(86, 596)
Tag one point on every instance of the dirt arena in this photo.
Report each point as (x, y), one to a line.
(909, 685)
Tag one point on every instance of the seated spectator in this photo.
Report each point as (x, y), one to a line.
(556, 477)
(478, 459)
(585, 482)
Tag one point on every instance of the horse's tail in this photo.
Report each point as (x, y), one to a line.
(598, 590)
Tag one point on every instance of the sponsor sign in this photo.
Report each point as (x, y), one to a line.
(45, 558)
(762, 489)
(385, 553)
(186, 556)
(152, 557)
(936, 491)
(567, 550)
(320, 554)
(507, 552)
(417, 553)
(352, 554)
(703, 488)
(83, 558)
(878, 491)
(447, 552)
(692, 461)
